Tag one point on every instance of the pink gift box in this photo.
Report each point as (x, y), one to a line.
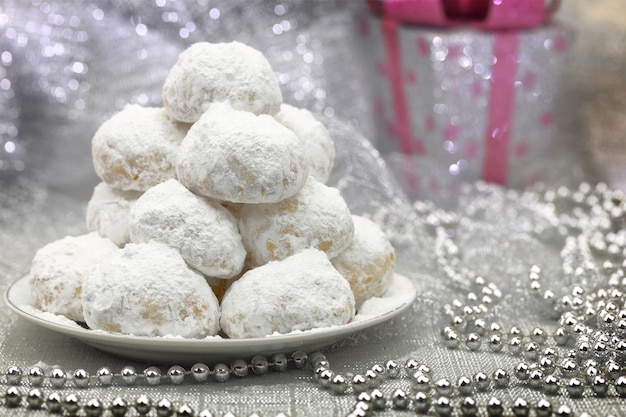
(479, 103)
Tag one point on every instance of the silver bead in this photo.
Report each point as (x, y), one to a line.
(495, 343)
(260, 364)
(57, 377)
(164, 408)
(363, 407)
(501, 378)
(152, 375)
(494, 407)
(564, 410)
(473, 341)
(444, 387)
(364, 396)
(465, 386)
(469, 406)
(143, 404)
(600, 386)
(373, 378)
(338, 384)
(421, 402)
(569, 366)
(520, 407)
(185, 411)
(423, 368)
(379, 369)
(482, 381)
(410, 366)
(12, 397)
(34, 399)
(522, 371)
(105, 376)
(451, 340)
(538, 335)
(422, 381)
(71, 404)
(516, 332)
(543, 408)
(359, 383)
(575, 388)
(299, 359)
(317, 371)
(318, 359)
(13, 375)
(129, 375)
(53, 403)
(443, 406)
(547, 364)
(93, 408)
(81, 378)
(221, 372)
(561, 336)
(36, 376)
(551, 385)
(532, 351)
(612, 369)
(620, 386)
(535, 378)
(392, 369)
(399, 399)
(279, 362)
(118, 407)
(590, 373)
(325, 378)
(176, 374)
(480, 326)
(378, 399)
(515, 345)
(206, 413)
(200, 372)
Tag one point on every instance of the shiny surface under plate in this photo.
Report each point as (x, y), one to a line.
(399, 296)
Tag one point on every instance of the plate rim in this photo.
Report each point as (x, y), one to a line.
(176, 343)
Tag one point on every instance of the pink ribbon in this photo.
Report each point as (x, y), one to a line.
(480, 14)
(501, 99)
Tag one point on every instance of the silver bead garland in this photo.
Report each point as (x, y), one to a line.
(583, 355)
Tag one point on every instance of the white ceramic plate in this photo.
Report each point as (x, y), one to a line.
(213, 349)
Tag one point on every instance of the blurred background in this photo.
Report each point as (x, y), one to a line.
(66, 66)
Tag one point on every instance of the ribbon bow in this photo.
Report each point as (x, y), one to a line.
(480, 14)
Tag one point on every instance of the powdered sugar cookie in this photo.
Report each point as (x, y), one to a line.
(136, 148)
(59, 269)
(147, 290)
(213, 72)
(107, 212)
(202, 231)
(301, 292)
(319, 149)
(235, 156)
(316, 217)
(368, 263)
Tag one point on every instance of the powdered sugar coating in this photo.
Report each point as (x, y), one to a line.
(202, 231)
(213, 72)
(59, 269)
(319, 149)
(301, 292)
(148, 290)
(316, 217)
(368, 263)
(136, 148)
(107, 212)
(235, 156)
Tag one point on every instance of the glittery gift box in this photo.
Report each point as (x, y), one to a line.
(477, 104)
